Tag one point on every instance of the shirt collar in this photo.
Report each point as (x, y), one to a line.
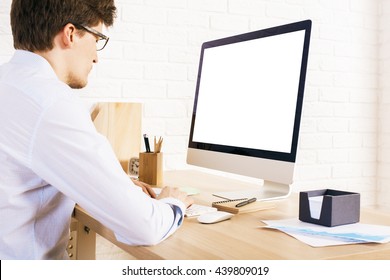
(33, 60)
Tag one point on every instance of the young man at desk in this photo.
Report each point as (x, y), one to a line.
(51, 154)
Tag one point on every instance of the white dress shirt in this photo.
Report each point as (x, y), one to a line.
(51, 157)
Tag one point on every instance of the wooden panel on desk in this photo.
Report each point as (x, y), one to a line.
(121, 124)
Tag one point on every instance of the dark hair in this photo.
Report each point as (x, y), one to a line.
(35, 23)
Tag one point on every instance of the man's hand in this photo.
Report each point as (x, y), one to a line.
(145, 188)
(165, 192)
(176, 193)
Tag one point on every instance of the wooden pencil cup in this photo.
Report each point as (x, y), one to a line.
(151, 168)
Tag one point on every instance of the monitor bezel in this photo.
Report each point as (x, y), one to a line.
(258, 153)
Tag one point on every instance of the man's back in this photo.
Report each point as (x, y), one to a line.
(25, 217)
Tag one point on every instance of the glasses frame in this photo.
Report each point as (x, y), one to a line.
(94, 32)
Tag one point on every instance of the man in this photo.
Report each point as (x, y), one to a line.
(50, 153)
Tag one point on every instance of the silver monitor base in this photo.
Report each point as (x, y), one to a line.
(269, 191)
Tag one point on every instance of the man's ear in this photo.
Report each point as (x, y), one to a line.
(68, 35)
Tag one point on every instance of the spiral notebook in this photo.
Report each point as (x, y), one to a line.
(230, 206)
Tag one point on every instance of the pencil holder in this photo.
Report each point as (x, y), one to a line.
(151, 168)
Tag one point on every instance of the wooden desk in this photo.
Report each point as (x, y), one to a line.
(237, 238)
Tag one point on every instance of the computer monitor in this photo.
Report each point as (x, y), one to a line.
(247, 107)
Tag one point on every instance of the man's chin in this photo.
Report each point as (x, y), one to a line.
(78, 85)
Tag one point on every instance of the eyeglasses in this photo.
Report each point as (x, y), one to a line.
(101, 42)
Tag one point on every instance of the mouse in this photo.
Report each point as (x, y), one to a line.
(214, 217)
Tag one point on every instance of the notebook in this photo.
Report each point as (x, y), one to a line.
(230, 206)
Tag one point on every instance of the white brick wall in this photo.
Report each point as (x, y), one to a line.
(152, 57)
(383, 174)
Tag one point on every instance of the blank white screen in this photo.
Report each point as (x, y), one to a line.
(248, 93)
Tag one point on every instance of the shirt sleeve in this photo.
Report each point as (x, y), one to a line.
(68, 153)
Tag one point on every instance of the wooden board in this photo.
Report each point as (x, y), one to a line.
(121, 124)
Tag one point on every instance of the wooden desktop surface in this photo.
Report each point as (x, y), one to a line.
(238, 238)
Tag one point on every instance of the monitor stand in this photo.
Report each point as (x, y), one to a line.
(268, 191)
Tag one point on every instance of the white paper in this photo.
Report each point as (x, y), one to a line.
(319, 236)
(315, 204)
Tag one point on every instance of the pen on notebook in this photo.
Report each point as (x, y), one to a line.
(147, 146)
(246, 202)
